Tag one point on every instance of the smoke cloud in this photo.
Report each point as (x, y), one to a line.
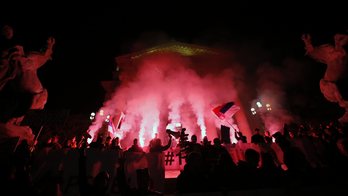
(273, 88)
(166, 91)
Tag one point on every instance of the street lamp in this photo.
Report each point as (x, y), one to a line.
(268, 106)
(261, 110)
(92, 117)
(253, 111)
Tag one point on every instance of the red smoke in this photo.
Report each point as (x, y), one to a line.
(166, 91)
(272, 84)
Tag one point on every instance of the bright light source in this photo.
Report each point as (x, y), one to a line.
(254, 112)
(101, 113)
(154, 130)
(178, 125)
(258, 104)
(92, 114)
(268, 105)
(108, 116)
(252, 109)
(170, 126)
(92, 117)
(203, 132)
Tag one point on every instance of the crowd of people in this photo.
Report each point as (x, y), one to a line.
(209, 166)
(261, 170)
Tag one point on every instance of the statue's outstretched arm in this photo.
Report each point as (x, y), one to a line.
(320, 53)
(40, 58)
(340, 41)
(50, 42)
(308, 42)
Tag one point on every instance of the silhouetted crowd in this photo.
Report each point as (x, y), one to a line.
(209, 166)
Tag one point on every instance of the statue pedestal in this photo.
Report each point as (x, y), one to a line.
(11, 130)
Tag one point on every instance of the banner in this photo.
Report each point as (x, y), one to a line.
(173, 159)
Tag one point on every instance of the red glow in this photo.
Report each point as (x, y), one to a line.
(217, 113)
(203, 131)
(154, 130)
(165, 91)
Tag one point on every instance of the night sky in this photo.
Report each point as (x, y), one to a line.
(89, 36)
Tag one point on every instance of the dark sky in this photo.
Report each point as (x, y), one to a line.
(90, 35)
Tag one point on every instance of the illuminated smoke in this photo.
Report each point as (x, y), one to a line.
(203, 130)
(170, 126)
(271, 90)
(154, 129)
(198, 104)
(164, 92)
(176, 101)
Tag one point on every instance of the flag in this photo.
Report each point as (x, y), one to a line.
(111, 127)
(120, 121)
(226, 109)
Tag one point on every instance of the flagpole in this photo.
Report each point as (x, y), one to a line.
(113, 129)
(35, 140)
(231, 125)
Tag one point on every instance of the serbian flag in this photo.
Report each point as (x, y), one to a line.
(120, 121)
(111, 127)
(226, 109)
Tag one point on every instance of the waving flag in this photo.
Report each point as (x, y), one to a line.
(227, 109)
(120, 121)
(111, 127)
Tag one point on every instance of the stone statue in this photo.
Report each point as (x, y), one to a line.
(21, 70)
(336, 59)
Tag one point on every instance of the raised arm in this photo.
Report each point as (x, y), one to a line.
(40, 58)
(50, 42)
(169, 143)
(236, 136)
(320, 53)
(308, 43)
